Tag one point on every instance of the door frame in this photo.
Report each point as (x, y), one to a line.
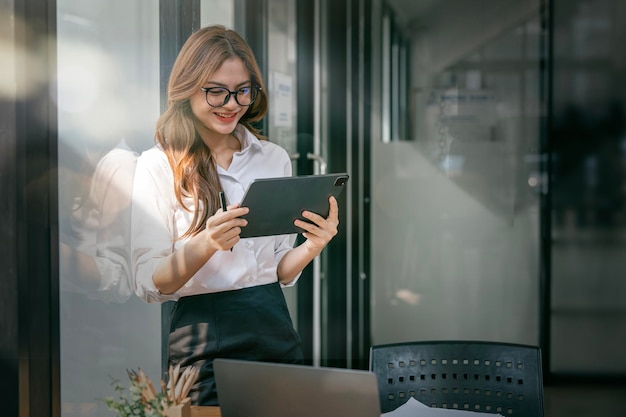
(29, 288)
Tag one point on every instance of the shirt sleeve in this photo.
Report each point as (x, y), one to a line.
(152, 225)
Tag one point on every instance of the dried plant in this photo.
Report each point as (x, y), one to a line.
(141, 399)
(179, 384)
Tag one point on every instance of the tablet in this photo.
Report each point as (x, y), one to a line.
(275, 203)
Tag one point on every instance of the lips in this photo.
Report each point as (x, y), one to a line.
(226, 117)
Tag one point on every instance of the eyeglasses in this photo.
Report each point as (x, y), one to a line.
(219, 96)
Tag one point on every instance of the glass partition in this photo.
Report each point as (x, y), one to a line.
(588, 311)
(281, 76)
(280, 121)
(455, 210)
(108, 102)
(217, 12)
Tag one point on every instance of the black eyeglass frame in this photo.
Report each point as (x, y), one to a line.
(232, 93)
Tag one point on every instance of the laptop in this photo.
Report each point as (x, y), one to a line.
(260, 389)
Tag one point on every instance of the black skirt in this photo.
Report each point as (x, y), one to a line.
(250, 324)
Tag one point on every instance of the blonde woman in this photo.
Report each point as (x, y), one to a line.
(229, 301)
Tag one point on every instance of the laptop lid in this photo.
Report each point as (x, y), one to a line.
(259, 389)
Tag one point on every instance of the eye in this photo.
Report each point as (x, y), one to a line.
(216, 91)
(244, 91)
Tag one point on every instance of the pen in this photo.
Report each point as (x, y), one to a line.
(223, 200)
(223, 204)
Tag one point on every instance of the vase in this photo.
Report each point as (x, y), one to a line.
(182, 409)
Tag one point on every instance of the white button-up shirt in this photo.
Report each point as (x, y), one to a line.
(158, 220)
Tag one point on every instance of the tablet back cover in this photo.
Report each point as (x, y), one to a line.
(275, 203)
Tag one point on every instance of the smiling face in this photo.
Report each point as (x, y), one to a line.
(217, 123)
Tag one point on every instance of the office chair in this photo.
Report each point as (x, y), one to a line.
(488, 377)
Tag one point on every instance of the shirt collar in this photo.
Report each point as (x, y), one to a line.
(247, 139)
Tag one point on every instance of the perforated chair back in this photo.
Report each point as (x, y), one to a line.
(488, 377)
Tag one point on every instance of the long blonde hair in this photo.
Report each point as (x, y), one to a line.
(195, 174)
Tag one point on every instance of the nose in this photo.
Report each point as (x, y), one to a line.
(231, 99)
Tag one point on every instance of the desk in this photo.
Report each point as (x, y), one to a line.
(205, 411)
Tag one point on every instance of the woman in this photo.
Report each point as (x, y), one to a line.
(229, 301)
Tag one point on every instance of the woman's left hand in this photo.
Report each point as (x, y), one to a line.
(323, 230)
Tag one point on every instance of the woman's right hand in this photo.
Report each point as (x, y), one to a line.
(224, 227)
(221, 233)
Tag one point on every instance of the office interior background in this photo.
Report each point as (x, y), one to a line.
(485, 141)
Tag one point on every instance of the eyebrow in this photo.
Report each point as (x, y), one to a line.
(216, 84)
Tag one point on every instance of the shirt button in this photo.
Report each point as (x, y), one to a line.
(250, 279)
(249, 244)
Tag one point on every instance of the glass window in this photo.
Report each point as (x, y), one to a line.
(217, 12)
(108, 102)
(455, 210)
(588, 297)
(281, 76)
(281, 118)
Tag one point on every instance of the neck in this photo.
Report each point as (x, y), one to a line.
(222, 150)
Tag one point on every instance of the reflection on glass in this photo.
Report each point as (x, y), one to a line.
(108, 100)
(95, 258)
